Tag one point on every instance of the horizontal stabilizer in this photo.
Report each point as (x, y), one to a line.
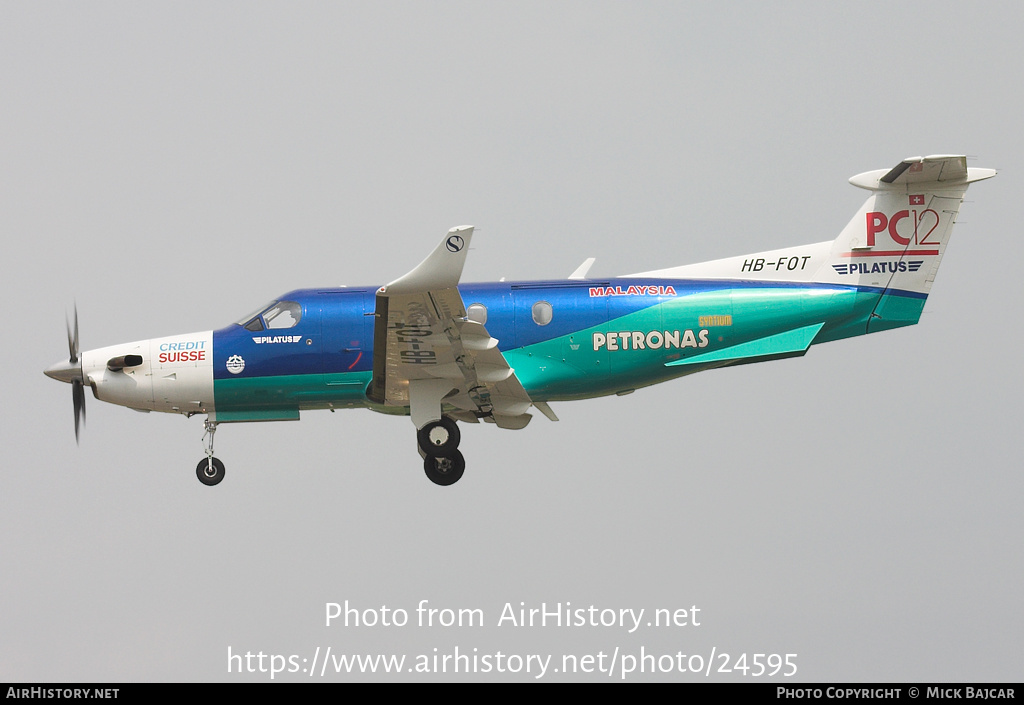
(792, 342)
(937, 170)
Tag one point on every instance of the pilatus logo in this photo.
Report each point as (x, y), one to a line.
(235, 364)
(455, 243)
(878, 267)
(262, 339)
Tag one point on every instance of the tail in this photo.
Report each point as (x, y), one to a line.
(895, 242)
(892, 246)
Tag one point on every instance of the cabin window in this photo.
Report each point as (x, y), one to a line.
(542, 313)
(477, 313)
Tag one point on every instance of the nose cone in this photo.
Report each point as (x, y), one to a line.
(65, 371)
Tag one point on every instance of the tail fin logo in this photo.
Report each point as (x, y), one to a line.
(918, 228)
(878, 267)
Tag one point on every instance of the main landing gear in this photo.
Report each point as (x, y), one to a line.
(210, 470)
(439, 446)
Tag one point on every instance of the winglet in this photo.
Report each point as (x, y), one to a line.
(442, 269)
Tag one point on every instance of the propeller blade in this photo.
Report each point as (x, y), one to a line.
(78, 397)
(73, 339)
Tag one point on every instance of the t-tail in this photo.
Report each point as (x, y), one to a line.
(891, 248)
(896, 241)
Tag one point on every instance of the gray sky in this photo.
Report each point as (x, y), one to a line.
(170, 167)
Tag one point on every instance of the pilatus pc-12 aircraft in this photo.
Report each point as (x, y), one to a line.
(440, 352)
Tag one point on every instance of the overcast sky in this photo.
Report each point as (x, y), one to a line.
(171, 166)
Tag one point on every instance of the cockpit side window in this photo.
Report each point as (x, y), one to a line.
(275, 315)
(283, 314)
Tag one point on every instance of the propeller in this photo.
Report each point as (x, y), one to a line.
(77, 386)
(72, 372)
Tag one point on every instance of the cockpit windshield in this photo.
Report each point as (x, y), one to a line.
(275, 315)
(248, 317)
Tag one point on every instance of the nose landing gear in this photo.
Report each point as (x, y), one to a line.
(210, 470)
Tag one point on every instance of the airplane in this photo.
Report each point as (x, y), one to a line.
(428, 347)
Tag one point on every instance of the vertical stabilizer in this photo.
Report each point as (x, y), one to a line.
(895, 242)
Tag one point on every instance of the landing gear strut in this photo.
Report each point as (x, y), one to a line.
(439, 443)
(210, 470)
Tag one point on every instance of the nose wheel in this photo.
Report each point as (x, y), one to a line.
(210, 470)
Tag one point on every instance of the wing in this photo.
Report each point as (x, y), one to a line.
(426, 353)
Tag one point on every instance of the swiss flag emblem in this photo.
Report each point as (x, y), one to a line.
(917, 200)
